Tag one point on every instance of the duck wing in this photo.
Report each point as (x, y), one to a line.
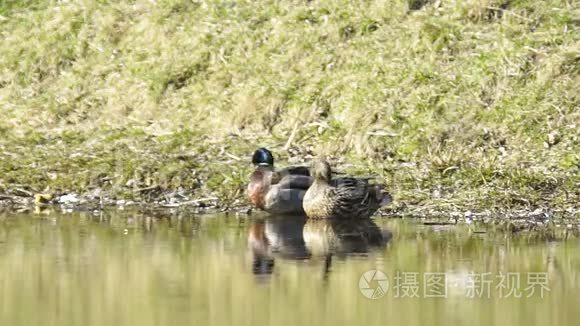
(291, 172)
(295, 182)
(304, 170)
(355, 197)
(294, 170)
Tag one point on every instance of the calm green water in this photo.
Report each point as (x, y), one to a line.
(131, 268)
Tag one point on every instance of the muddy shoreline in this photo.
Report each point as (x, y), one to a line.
(545, 222)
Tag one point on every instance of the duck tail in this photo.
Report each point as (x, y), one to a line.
(383, 197)
(387, 199)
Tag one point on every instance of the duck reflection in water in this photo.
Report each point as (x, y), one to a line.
(276, 237)
(299, 239)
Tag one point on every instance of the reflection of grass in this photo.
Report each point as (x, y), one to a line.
(469, 104)
(85, 269)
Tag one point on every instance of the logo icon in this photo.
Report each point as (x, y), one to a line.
(373, 284)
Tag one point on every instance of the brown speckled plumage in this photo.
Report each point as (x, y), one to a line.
(343, 198)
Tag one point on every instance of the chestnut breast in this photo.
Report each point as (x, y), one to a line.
(257, 188)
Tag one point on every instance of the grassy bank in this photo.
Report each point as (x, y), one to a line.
(457, 105)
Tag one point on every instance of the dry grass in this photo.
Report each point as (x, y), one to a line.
(455, 103)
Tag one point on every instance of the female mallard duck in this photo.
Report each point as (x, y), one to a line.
(342, 197)
(277, 192)
(343, 237)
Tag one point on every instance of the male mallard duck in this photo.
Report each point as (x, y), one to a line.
(278, 236)
(343, 197)
(277, 192)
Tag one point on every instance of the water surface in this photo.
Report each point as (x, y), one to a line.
(135, 268)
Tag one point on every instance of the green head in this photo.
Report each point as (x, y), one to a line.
(262, 156)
